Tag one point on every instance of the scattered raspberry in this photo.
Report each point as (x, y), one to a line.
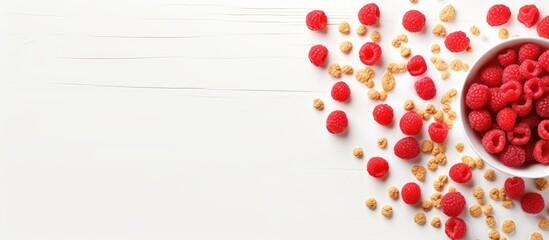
(543, 27)
(411, 193)
(542, 107)
(452, 204)
(383, 114)
(511, 90)
(513, 156)
(413, 21)
(512, 73)
(543, 129)
(528, 15)
(411, 123)
(498, 15)
(377, 167)
(316, 20)
(507, 57)
(520, 135)
(317, 55)
(425, 88)
(370, 53)
(532, 203)
(514, 187)
(477, 96)
(438, 131)
(530, 69)
(407, 148)
(541, 151)
(369, 14)
(480, 120)
(341, 92)
(460, 173)
(337, 122)
(494, 141)
(544, 60)
(506, 119)
(491, 76)
(496, 101)
(457, 41)
(529, 51)
(455, 228)
(417, 65)
(534, 88)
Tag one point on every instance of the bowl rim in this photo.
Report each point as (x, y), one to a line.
(487, 157)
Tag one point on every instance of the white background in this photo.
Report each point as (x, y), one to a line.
(178, 119)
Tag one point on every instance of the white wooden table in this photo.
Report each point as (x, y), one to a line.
(188, 119)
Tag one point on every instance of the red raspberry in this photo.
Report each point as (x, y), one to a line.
(317, 55)
(383, 114)
(477, 96)
(411, 123)
(337, 122)
(511, 90)
(543, 129)
(545, 81)
(520, 135)
(438, 131)
(513, 156)
(494, 141)
(514, 187)
(453, 203)
(532, 120)
(491, 76)
(512, 73)
(425, 88)
(541, 151)
(523, 106)
(411, 193)
(530, 69)
(455, 228)
(480, 120)
(534, 88)
(544, 60)
(529, 149)
(542, 107)
(413, 21)
(498, 14)
(416, 66)
(507, 57)
(532, 203)
(460, 173)
(407, 148)
(529, 51)
(369, 53)
(369, 14)
(341, 92)
(316, 20)
(506, 119)
(543, 27)
(377, 167)
(528, 15)
(496, 101)
(457, 41)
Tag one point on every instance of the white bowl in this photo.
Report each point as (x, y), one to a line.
(473, 139)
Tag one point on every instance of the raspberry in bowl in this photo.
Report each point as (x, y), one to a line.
(505, 106)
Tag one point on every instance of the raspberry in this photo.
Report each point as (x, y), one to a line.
(543, 27)
(530, 69)
(369, 14)
(507, 57)
(370, 53)
(543, 129)
(425, 88)
(514, 187)
(337, 122)
(494, 141)
(528, 15)
(496, 101)
(455, 228)
(411, 123)
(520, 135)
(377, 167)
(411, 193)
(413, 21)
(532, 120)
(506, 119)
(452, 203)
(511, 90)
(513, 156)
(523, 106)
(512, 73)
(480, 120)
(477, 96)
(460, 173)
(491, 76)
(317, 55)
(529, 149)
(534, 88)
(341, 92)
(545, 81)
(529, 51)
(498, 14)
(438, 131)
(532, 203)
(383, 114)
(541, 151)
(316, 20)
(544, 60)
(542, 107)
(456, 41)
(416, 66)
(407, 148)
